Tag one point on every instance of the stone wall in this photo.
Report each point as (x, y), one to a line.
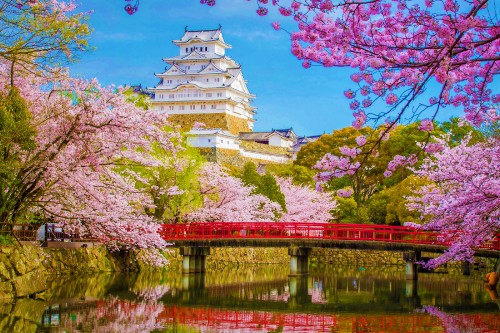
(223, 121)
(226, 257)
(24, 270)
(356, 257)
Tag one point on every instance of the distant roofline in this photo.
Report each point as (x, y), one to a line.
(187, 30)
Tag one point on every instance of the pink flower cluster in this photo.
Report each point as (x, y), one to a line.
(455, 45)
(463, 200)
(426, 125)
(83, 132)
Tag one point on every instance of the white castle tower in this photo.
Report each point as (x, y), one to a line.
(203, 85)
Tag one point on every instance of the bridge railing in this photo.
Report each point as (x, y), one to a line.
(306, 230)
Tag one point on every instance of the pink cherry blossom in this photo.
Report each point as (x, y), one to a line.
(305, 204)
(361, 140)
(463, 200)
(77, 174)
(227, 199)
(426, 125)
(344, 193)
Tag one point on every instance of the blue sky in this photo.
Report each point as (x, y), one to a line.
(129, 49)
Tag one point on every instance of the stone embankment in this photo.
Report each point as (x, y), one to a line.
(24, 270)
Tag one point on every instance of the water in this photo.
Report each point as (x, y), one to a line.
(260, 298)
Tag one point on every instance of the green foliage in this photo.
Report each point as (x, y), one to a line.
(140, 100)
(265, 184)
(458, 131)
(15, 127)
(373, 200)
(346, 209)
(16, 135)
(6, 240)
(249, 174)
(174, 185)
(299, 174)
(389, 205)
(312, 152)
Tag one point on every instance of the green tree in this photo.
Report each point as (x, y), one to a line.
(458, 130)
(263, 184)
(299, 174)
(41, 33)
(17, 137)
(389, 206)
(173, 185)
(142, 101)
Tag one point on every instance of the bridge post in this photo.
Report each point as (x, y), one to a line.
(411, 257)
(194, 258)
(298, 286)
(299, 260)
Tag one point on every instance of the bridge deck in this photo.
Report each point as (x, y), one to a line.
(306, 234)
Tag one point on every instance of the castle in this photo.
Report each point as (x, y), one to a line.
(204, 92)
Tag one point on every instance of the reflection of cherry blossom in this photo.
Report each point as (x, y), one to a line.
(456, 323)
(153, 293)
(116, 315)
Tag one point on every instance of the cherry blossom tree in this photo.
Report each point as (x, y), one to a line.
(464, 200)
(305, 204)
(227, 199)
(76, 171)
(41, 33)
(399, 47)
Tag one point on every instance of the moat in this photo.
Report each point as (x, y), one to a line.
(259, 298)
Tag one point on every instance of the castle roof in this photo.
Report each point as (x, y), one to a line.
(287, 133)
(263, 136)
(211, 131)
(192, 56)
(205, 36)
(303, 140)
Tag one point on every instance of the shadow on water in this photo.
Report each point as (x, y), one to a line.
(258, 298)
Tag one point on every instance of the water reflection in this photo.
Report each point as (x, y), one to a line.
(258, 299)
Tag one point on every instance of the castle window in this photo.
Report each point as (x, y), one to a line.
(213, 106)
(209, 94)
(171, 107)
(181, 107)
(186, 49)
(206, 49)
(203, 107)
(208, 140)
(192, 107)
(217, 79)
(219, 94)
(171, 96)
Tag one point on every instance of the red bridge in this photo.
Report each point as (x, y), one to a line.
(238, 232)
(195, 239)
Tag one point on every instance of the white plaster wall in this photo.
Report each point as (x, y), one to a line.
(219, 50)
(201, 142)
(215, 141)
(278, 141)
(264, 156)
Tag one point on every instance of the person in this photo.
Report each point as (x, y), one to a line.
(491, 279)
